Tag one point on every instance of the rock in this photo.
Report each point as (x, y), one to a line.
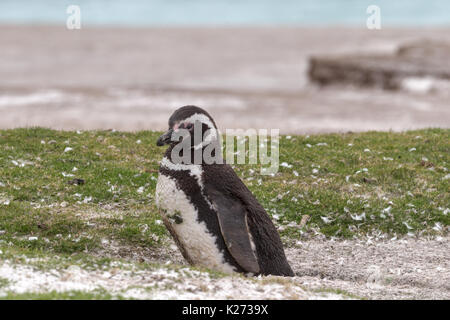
(419, 61)
(76, 181)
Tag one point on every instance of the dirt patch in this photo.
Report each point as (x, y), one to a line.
(389, 269)
(166, 253)
(400, 269)
(325, 269)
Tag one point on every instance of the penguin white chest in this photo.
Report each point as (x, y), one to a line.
(177, 210)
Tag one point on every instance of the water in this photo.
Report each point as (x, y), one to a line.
(226, 12)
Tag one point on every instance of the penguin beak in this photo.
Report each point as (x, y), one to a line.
(165, 138)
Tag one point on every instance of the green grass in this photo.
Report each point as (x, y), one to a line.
(340, 292)
(71, 218)
(4, 282)
(334, 184)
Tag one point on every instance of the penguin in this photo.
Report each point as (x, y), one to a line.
(214, 219)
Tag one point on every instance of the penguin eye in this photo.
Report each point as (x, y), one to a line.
(189, 126)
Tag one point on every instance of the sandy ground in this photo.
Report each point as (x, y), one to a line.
(355, 269)
(373, 269)
(161, 283)
(131, 79)
(400, 269)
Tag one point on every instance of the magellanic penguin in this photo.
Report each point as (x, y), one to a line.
(213, 217)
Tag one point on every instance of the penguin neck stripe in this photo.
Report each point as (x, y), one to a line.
(194, 170)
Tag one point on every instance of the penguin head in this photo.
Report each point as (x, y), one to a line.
(193, 121)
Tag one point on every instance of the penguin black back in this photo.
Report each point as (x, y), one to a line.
(269, 248)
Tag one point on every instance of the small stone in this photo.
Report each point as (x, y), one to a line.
(76, 181)
(368, 180)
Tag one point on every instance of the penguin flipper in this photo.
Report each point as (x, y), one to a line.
(233, 225)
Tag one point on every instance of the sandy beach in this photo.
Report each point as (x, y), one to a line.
(132, 78)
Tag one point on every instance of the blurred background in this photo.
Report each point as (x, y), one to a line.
(302, 66)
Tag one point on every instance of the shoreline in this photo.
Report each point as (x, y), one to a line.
(254, 77)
